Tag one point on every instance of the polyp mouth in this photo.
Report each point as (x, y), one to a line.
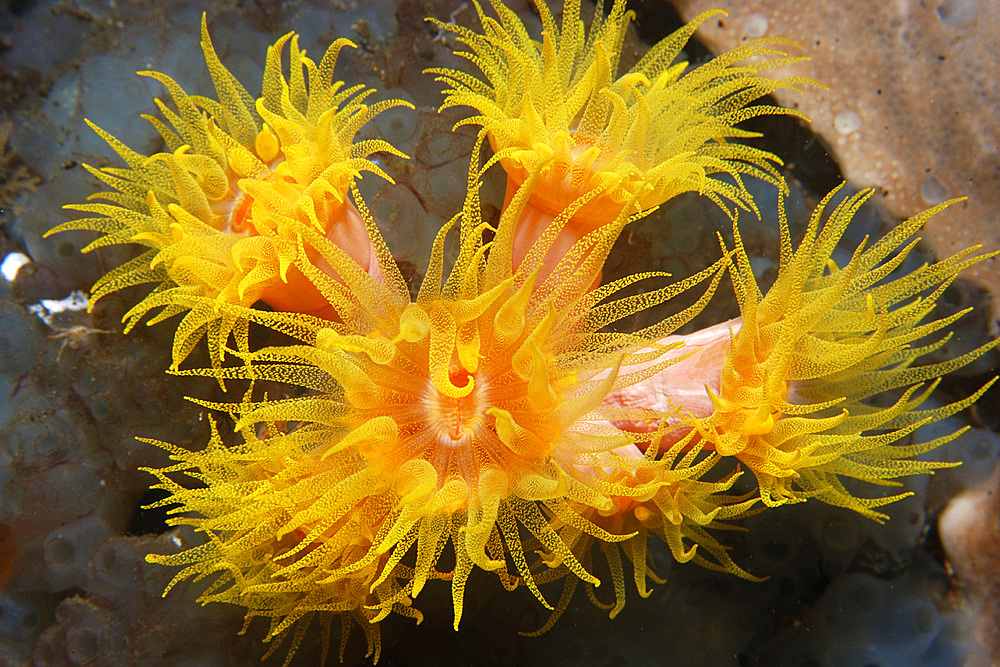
(457, 421)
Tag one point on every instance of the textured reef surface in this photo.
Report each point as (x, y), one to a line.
(84, 539)
(876, 115)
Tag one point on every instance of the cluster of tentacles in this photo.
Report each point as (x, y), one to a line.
(501, 416)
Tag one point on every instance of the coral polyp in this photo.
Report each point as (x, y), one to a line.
(278, 569)
(246, 192)
(793, 404)
(559, 110)
(469, 415)
(503, 419)
(561, 119)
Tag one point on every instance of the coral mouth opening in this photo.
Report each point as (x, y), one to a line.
(457, 421)
(239, 216)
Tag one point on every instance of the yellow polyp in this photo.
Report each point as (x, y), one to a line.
(827, 339)
(267, 144)
(533, 95)
(244, 231)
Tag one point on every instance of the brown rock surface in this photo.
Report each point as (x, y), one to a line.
(970, 534)
(913, 104)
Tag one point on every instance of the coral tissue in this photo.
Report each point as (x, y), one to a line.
(500, 420)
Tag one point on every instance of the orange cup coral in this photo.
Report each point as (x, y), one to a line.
(246, 193)
(498, 416)
(556, 112)
(806, 357)
(784, 392)
(467, 416)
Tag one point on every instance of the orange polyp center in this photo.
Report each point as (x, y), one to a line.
(457, 432)
(461, 436)
(456, 421)
(460, 406)
(239, 217)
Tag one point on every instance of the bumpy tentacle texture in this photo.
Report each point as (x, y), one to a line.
(252, 490)
(559, 110)
(793, 400)
(785, 391)
(467, 416)
(239, 203)
(677, 509)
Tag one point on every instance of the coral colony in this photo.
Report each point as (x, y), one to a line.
(498, 416)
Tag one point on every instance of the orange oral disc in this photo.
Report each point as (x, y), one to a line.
(239, 218)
